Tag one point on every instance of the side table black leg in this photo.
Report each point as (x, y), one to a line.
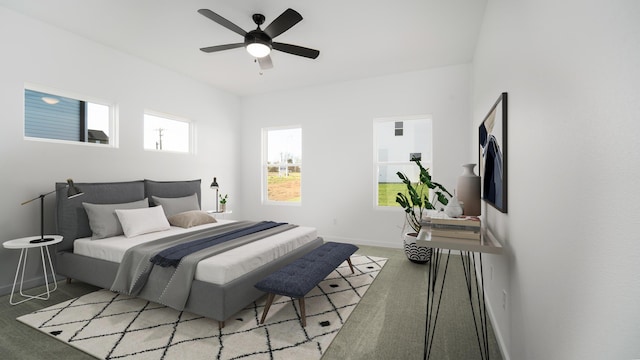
(479, 318)
(433, 304)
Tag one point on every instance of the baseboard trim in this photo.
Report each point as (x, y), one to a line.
(359, 241)
(498, 334)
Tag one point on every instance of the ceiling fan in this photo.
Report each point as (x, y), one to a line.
(258, 42)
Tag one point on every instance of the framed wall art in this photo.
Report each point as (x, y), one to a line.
(493, 155)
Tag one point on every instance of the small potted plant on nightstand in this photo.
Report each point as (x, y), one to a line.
(415, 204)
(223, 202)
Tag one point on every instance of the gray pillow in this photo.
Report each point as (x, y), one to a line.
(103, 220)
(178, 205)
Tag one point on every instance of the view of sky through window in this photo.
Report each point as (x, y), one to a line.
(283, 145)
(161, 133)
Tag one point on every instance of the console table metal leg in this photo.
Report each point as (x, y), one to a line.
(434, 298)
(475, 286)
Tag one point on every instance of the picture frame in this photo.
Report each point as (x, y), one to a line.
(492, 155)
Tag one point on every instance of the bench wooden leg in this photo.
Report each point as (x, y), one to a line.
(303, 313)
(220, 325)
(350, 265)
(267, 306)
(68, 280)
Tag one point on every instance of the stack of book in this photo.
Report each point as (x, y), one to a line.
(459, 228)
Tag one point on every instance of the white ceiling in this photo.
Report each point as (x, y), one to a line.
(356, 38)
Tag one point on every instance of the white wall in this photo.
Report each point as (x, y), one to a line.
(337, 146)
(34, 52)
(571, 234)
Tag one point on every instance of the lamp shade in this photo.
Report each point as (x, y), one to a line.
(73, 191)
(214, 184)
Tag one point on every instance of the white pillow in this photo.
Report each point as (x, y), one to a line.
(142, 221)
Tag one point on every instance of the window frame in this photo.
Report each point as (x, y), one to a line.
(112, 117)
(166, 116)
(427, 163)
(264, 165)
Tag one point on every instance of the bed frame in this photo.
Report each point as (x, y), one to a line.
(218, 302)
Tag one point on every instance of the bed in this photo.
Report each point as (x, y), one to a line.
(222, 285)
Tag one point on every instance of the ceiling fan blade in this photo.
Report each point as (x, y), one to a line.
(222, 21)
(296, 50)
(283, 23)
(265, 62)
(211, 49)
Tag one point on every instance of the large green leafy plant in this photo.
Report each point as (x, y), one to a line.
(416, 200)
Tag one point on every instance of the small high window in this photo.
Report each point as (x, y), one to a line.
(166, 133)
(62, 117)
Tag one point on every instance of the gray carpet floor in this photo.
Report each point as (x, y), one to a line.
(388, 324)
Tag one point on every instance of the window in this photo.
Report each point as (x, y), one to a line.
(282, 163)
(399, 125)
(54, 116)
(166, 133)
(397, 141)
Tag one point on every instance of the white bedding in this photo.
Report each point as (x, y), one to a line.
(218, 269)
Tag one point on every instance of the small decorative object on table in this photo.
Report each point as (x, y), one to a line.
(415, 204)
(223, 202)
(453, 208)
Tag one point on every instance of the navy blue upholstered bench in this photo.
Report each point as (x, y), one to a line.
(298, 278)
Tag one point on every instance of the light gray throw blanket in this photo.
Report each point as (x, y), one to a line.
(170, 286)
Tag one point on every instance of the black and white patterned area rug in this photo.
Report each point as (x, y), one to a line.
(114, 326)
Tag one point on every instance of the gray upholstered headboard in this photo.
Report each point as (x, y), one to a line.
(171, 189)
(71, 218)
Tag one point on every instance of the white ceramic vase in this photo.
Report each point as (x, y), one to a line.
(468, 191)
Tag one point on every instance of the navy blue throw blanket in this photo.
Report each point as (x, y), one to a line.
(173, 255)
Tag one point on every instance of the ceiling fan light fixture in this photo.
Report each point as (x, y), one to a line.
(258, 50)
(258, 42)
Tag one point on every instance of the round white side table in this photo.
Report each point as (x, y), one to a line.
(219, 214)
(24, 244)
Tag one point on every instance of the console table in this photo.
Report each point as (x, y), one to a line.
(469, 250)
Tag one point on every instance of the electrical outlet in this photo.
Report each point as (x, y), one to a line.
(504, 299)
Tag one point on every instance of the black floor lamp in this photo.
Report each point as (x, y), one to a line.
(72, 192)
